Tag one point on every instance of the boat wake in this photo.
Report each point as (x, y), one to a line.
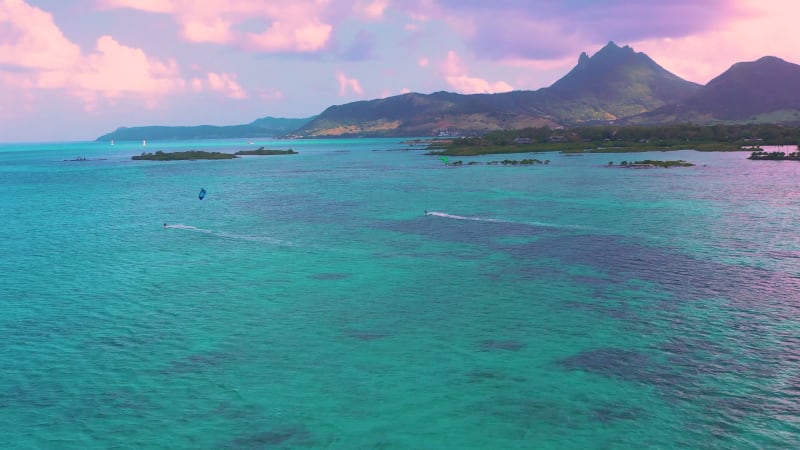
(487, 219)
(180, 226)
(477, 219)
(227, 235)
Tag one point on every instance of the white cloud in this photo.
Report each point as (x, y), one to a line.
(35, 55)
(701, 56)
(226, 84)
(293, 26)
(456, 76)
(371, 10)
(30, 39)
(348, 84)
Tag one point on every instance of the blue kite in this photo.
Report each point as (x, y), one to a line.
(202, 193)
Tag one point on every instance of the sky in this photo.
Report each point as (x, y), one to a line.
(72, 70)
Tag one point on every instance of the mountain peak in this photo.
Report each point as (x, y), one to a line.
(770, 60)
(615, 73)
(611, 62)
(613, 49)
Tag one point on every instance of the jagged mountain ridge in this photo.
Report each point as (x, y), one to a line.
(615, 85)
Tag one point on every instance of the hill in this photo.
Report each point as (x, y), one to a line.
(763, 91)
(259, 128)
(416, 114)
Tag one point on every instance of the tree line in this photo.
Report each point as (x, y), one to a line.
(666, 135)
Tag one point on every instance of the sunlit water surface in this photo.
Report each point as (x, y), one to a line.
(309, 302)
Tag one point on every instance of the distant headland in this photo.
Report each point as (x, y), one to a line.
(200, 154)
(266, 127)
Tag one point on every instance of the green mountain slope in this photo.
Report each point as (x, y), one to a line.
(616, 82)
(419, 114)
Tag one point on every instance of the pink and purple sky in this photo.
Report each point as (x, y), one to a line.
(76, 69)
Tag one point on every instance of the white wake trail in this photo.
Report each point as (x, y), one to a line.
(227, 235)
(488, 219)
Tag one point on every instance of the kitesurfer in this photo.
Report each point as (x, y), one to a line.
(426, 212)
(165, 225)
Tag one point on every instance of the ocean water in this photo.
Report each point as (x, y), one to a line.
(309, 302)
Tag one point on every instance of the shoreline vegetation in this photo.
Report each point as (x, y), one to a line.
(505, 162)
(646, 164)
(200, 154)
(617, 139)
(650, 164)
(262, 152)
(774, 156)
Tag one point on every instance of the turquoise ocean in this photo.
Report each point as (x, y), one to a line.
(309, 302)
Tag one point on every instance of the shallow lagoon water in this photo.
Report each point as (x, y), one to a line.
(308, 301)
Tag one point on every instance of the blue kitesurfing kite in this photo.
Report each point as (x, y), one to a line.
(202, 193)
